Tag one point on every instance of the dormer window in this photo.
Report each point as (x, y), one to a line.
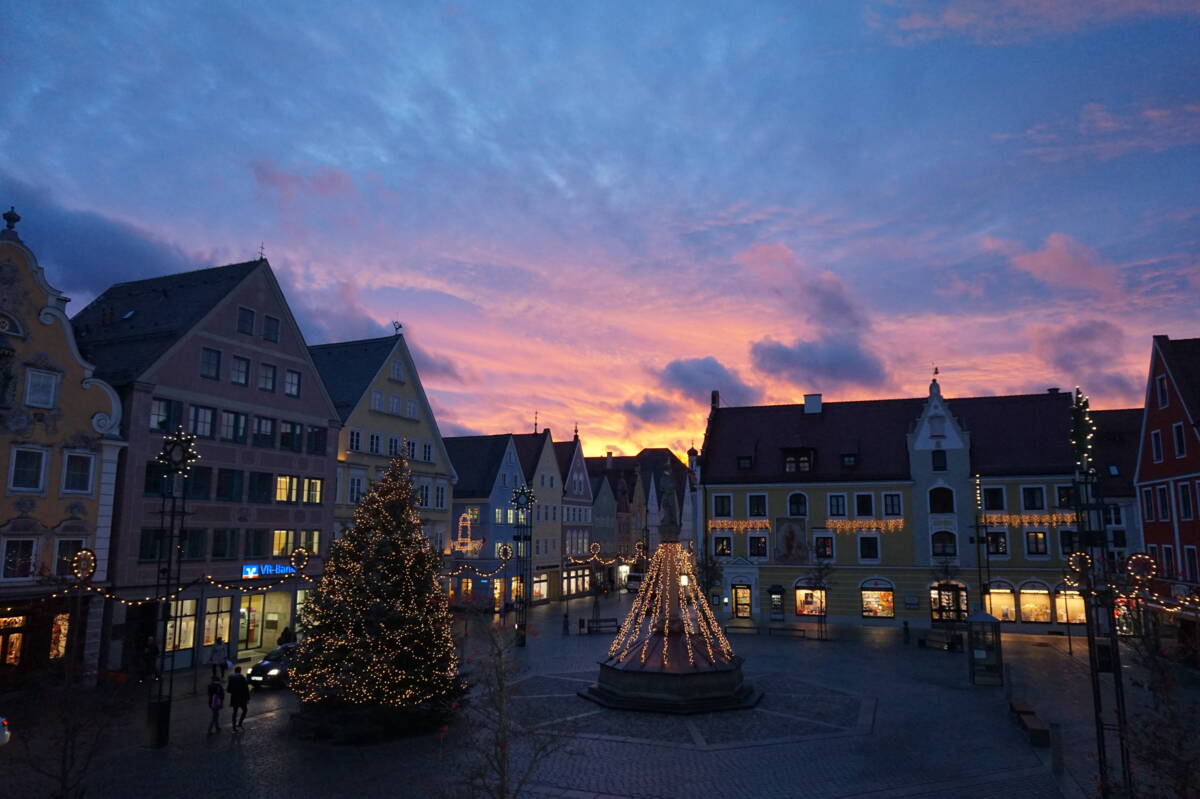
(744, 462)
(789, 463)
(797, 460)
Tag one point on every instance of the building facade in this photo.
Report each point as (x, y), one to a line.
(576, 516)
(59, 447)
(217, 352)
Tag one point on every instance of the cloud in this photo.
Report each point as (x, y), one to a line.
(654, 411)
(996, 22)
(1103, 134)
(451, 428)
(431, 365)
(312, 308)
(824, 361)
(1062, 262)
(1081, 351)
(696, 377)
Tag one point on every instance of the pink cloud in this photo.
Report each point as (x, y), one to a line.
(1100, 133)
(1062, 262)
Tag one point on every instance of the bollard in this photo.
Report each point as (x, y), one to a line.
(566, 624)
(906, 631)
(1056, 749)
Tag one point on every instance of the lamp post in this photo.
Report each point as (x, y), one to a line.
(523, 499)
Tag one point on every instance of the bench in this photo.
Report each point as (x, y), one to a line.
(941, 639)
(1038, 730)
(785, 629)
(603, 626)
(1020, 707)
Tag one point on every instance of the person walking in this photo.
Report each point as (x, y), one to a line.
(218, 658)
(216, 701)
(239, 696)
(149, 660)
(286, 637)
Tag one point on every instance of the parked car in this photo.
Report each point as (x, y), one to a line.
(4, 733)
(273, 669)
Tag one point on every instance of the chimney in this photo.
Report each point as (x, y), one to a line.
(607, 461)
(812, 403)
(716, 399)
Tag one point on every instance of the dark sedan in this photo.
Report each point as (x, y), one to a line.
(273, 669)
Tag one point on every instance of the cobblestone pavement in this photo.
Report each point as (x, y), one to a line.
(859, 715)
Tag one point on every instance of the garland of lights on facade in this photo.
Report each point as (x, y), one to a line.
(594, 557)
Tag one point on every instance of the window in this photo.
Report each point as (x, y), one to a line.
(193, 543)
(1033, 498)
(1156, 452)
(262, 485)
(41, 388)
(218, 612)
(1035, 603)
(440, 497)
(423, 496)
(878, 599)
(310, 540)
(722, 506)
(270, 328)
(291, 436)
(1190, 566)
(1168, 553)
(938, 460)
(1160, 386)
(1147, 504)
(264, 432)
(287, 488)
(397, 372)
(758, 546)
(355, 443)
(377, 400)
(1064, 496)
(810, 601)
(239, 371)
(868, 547)
(1180, 440)
(945, 544)
(892, 505)
(59, 630)
(198, 483)
(1185, 501)
(281, 543)
(500, 514)
(864, 506)
(28, 470)
(314, 490)
(837, 504)
(948, 602)
(229, 485)
(1068, 542)
(1152, 551)
(256, 543)
(823, 547)
(540, 582)
(941, 500)
(411, 449)
(355, 489)
(397, 405)
(317, 440)
(210, 363)
(797, 505)
(291, 383)
(1118, 539)
(1035, 542)
(997, 543)
(65, 556)
(245, 321)
(157, 482)
(1113, 516)
(849, 461)
(151, 545)
(165, 415)
(18, 558)
(233, 426)
(427, 452)
(744, 462)
(266, 377)
(1164, 504)
(756, 505)
(993, 498)
(789, 463)
(181, 625)
(202, 419)
(999, 601)
(1068, 606)
(224, 543)
(393, 446)
(722, 546)
(373, 443)
(412, 409)
(77, 473)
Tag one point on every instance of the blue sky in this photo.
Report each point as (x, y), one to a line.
(602, 211)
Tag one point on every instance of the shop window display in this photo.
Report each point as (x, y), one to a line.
(1000, 603)
(1068, 607)
(878, 604)
(810, 601)
(1035, 605)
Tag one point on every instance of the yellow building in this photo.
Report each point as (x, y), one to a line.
(890, 510)
(59, 427)
(378, 394)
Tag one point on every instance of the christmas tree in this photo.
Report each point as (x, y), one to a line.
(377, 627)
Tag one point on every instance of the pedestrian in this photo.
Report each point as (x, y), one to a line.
(286, 637)
(216, 701)
(239, 696)
(218, 658)
(149, 659)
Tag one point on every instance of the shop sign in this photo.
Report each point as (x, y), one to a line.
(252, 570)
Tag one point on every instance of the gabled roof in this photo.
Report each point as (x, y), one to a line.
(125, 330)
(1116, 445)
(347, 368)
(477, 460)
(1010, 435)
(564, 453)
(1183, 362)
(529, 451)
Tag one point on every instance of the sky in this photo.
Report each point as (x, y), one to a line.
(602, 211)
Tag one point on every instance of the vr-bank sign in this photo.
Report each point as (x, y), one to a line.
(253, 570)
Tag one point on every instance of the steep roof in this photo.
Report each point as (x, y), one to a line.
(1010, 435)
(529, 451)
(564, 452)
(348, 367)
(1183, 362)
(125, 330)
(477, 461)
(1117, 434)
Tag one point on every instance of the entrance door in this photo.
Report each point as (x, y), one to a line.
(948, 602)
(250, 622)
(741, 601)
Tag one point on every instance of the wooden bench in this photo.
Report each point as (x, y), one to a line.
(1038, 730)
(603, 626)
(945, 640)
(785, 629)
(1020, 707)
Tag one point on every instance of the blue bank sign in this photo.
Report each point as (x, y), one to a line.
(253, 570)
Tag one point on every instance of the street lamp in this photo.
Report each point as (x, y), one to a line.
(523, 499)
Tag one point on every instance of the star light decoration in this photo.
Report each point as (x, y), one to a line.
(178, 453)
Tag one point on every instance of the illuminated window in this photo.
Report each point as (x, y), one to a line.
(879, 603)
(1035, 542)
(823, 547)
(281, 543)
(997, 542)
(287, 488)
(314, 490)
(540, 583)
(948, 602)
(722, 546)
(181, 625)
(1068, 606)
(310, 540)
(217, 614)
(59, 632)
(810, 601)
(999, 602)
(1035, 604)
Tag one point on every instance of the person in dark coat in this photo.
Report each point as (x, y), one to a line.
(216, 701)
(239, 696)
(287, 636)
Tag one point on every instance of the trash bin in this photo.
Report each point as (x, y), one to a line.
(158, 723)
